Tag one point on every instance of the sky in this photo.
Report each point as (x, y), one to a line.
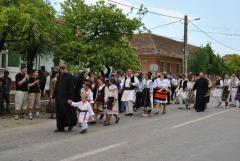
(216, 16)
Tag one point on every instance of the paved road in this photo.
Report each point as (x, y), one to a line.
(180, 135)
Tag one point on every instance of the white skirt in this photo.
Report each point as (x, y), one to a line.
(218, 92)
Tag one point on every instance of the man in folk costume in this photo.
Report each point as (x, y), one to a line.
(201, 86)
(226, 89)
(233, 89)
(64, 93)
(128, 84)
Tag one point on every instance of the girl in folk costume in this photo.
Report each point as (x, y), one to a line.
(161, 85)
(218, 91)
(100, 96)
(84, 112)
(111, 99)
(225, 94)
(147, 97)
(86, 90)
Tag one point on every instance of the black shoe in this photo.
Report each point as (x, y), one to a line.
(101, 117)
(84, 131)
(117, 120)
(59, 130)
(156, 113)
(131, 114)
(106, 124)
(70, 128)
(127, 114)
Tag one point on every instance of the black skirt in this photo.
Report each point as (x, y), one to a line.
(225, 94)
(146, 98)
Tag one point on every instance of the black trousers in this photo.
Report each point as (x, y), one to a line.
(1, 102)
(173, 89)
(6, 98)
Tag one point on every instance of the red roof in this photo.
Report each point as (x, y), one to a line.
(151, 44)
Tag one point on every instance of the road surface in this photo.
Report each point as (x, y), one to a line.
(180, 135)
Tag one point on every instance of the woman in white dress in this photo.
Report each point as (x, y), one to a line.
(161, 86)
(111, 99)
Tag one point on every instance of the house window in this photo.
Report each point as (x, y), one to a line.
(161, 67)
(168, 67)
(178, 68)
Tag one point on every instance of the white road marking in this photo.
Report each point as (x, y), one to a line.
(93, 152)
(200, 119)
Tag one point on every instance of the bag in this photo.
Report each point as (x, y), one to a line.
(110, 103)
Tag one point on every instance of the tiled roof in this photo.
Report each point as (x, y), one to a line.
(150, 44)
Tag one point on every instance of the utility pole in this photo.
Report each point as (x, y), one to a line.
(185, 50)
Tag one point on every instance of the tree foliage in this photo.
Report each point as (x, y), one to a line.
(27, 27)
(96, 35)
(205, 60)
(233, 64)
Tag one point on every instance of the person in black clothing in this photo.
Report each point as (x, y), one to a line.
(34, 94)
(43, 74)
(2, 86)
(7, 88)
(78, 84)
(201, 86)
(21, 94)
(64, 92)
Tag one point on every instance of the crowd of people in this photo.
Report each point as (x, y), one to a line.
(88, 97)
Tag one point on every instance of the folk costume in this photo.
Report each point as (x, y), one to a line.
(111, 99)
(233, 90)
(218, 91)
(100, 100)
(128, 85)
(225, 95)
(89, 95)
(161, 87)
(85, 111)
(147, 96)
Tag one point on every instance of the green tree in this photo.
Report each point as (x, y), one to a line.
(205, 60)
(96, 35)
(233, 64)
(29, 26)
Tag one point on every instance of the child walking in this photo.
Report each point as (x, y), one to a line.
(84, 112)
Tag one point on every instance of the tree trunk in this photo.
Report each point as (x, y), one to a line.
(31, 54)
(2, 41)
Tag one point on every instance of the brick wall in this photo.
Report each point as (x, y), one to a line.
(165, 64)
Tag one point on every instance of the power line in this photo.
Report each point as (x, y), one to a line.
(160, 14)
(218, 33)
(217, 41)
(164, 25)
